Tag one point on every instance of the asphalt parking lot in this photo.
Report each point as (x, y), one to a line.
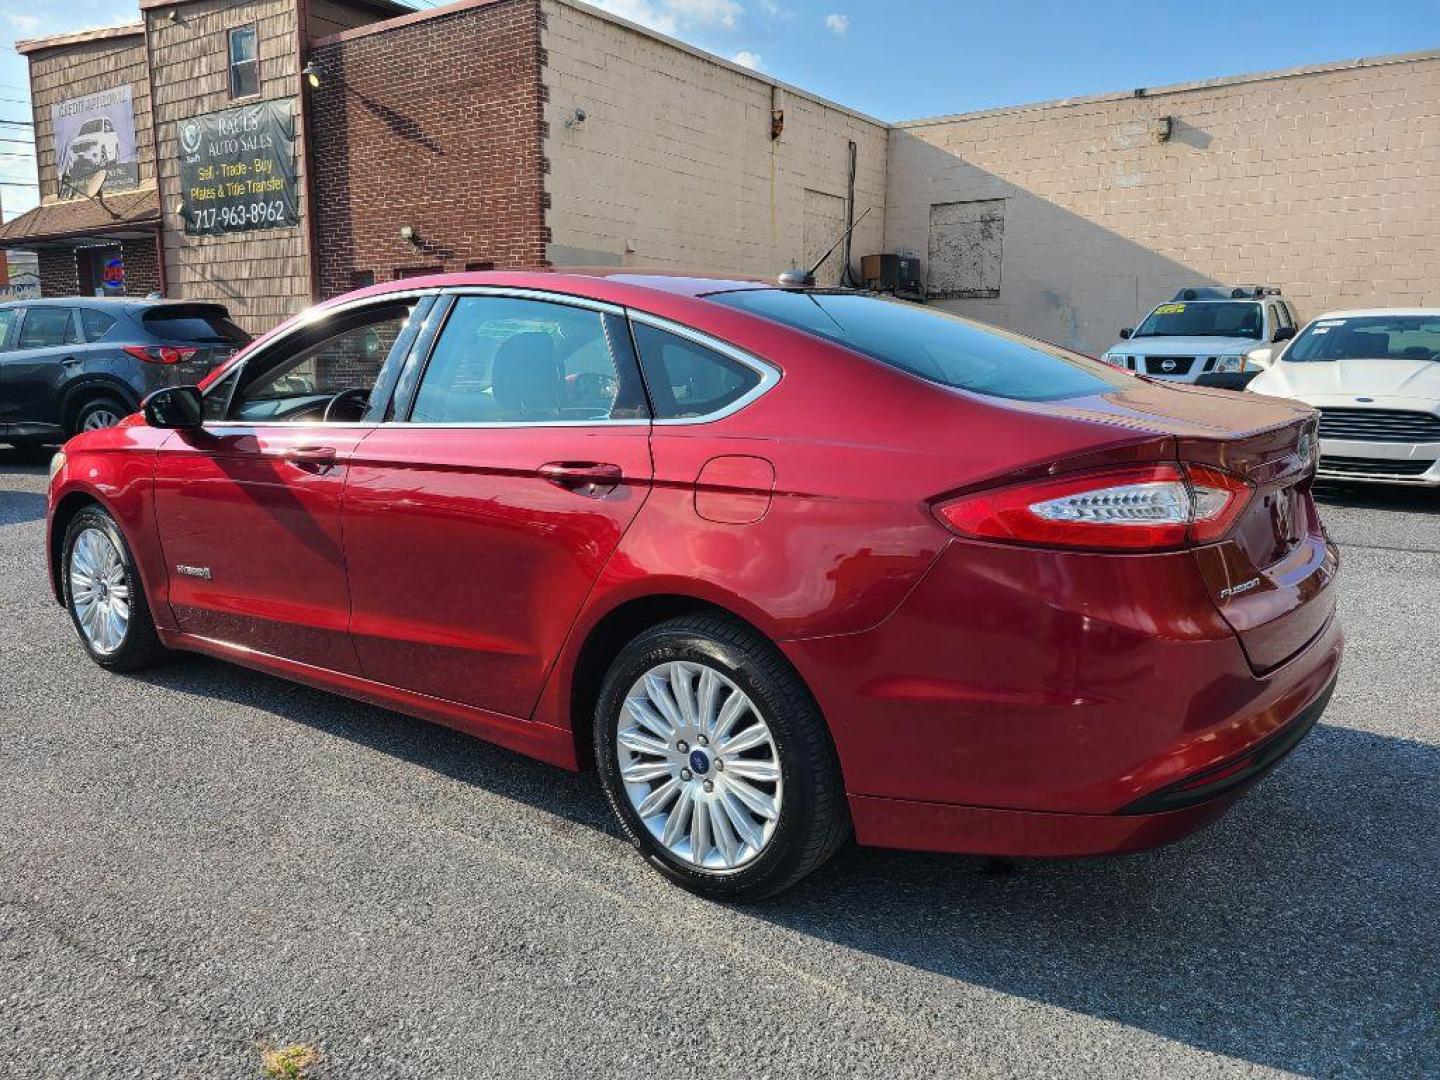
(200, 861)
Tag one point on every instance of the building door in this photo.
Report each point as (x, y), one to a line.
(101, 270)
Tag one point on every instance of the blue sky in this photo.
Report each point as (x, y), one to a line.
(901, 59)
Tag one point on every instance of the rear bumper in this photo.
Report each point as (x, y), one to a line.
(1163, 817)
(978, 830)
(1064, 685)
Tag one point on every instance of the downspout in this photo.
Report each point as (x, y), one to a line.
(302, 8)
(155, 159)
(160, 250)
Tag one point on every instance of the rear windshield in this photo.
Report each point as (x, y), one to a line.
(942, 348)
(1206, 319)
(207, 325)
(1369, 337)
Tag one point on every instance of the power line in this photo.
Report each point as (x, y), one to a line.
(17, 123)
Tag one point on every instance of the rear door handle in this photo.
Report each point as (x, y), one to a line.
(580, 474)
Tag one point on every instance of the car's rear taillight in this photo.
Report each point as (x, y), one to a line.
(1139, 508)
(160, 354)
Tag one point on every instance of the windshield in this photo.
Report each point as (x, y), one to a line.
(1369, 337)
(91, 127)
(1222, 319)
(942, 348)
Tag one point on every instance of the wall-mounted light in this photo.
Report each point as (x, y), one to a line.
(311, 72)
(409, 235)
(576, 118)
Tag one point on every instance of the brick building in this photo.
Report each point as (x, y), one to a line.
(546, 132)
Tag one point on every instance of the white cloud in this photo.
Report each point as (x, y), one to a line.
(25, 24)
(770, 7)
(837, 24)
(724, 13)
(746, 58)
(672, 16)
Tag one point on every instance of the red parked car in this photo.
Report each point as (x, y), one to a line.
(779, 563)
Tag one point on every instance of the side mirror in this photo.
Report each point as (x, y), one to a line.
(1125, 334)
(1283, 333)
(174, 407)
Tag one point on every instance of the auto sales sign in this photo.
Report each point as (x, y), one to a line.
(237, 169)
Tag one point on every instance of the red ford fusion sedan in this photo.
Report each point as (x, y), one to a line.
(779, 564)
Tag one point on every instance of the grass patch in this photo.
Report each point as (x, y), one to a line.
(292, 1062)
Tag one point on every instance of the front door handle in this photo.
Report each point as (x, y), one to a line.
(582, 475)
(311, 455)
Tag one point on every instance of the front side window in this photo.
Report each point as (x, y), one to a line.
(933, 345)
(48, 327)
(325, 374)
(506, 360)
(244, 47)
(1369, 337)
(686, 379)
(1206, 319)
(7, 319)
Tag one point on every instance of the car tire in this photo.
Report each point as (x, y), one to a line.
(788, 738)
(98, 412)
(97, 566)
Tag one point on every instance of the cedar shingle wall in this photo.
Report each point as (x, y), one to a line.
(76, 70)
(262, 276)
(436, 125)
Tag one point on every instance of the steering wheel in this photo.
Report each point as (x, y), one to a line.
(357, 395)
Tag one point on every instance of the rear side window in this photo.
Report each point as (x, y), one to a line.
(942, 348)
(686, 379)
(206, 326)
(96, 323)
(47, 327)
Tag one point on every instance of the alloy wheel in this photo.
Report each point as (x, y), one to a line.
(96, 419)
(699, 765)
(99, 591)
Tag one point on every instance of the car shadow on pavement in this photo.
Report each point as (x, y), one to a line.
(20, 506)
(1299, 932)
(1411, 500)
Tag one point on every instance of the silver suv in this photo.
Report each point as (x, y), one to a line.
(1210, 335)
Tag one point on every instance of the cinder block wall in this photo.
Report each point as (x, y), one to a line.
(1320, 180)
(433, 123)
(674, 165)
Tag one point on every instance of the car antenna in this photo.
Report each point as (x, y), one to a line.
(805, 279)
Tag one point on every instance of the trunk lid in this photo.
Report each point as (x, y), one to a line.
(1269, 576)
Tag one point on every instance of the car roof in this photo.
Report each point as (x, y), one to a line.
(1360, 313)
(123, 303)
(594, 282)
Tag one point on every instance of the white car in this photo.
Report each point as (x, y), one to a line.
(1375, 377)
(1209, 335)
(96, 142)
